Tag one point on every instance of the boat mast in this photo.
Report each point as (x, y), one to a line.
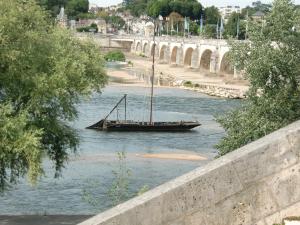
(152, 77)
(125, 98)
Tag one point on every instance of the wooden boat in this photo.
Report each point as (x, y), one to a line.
(113, 125)
(136, 126)
(130, 125)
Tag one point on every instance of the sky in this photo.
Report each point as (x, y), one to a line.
(241, 3)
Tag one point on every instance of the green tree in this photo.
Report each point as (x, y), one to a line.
(76, 7)
(212, 15)
(44, 71)
(157, 8)
(137, 7)
(115, 21)
(210, 31)
(187, 8)
(53, 6)
(86, 16)
(259, 6)
(235, 24)
(115, 55)
(271, 63)
(248, 11)
(194, 28)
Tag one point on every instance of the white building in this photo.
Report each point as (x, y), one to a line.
(228, 10)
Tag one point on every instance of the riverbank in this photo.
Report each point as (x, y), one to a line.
(190, 79)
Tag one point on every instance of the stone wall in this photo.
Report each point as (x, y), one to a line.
(256, 184)
(107, 41)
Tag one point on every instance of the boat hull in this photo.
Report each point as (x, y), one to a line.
(145, 127)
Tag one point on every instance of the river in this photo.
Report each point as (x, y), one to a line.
(91, 170)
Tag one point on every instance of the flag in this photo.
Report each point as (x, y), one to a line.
(186, 25)
(238, 28)
(217, 29)
(221, 28)
(167, 27)
(247, 24)
(201, 23)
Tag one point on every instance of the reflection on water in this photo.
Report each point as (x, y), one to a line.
(97, 157)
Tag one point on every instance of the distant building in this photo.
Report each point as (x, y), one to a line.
(62, 18)
(113, 8)
(258, 16)
(228, 10)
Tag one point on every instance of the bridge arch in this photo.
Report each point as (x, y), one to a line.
(152, 49)
(176, 55)
(205, 59)
(163, 54)
(188, 57)
(145, 48)
(138, 47)
(225, 66)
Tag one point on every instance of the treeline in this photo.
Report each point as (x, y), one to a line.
(75, 9)
(154, 8)
(186, 8)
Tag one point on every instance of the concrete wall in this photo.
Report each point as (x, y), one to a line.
(257, 184)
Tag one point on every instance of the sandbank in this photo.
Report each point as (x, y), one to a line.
(174, 156)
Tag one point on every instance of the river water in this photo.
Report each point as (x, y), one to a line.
(91, 171)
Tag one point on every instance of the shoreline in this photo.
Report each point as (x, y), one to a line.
(168, 76)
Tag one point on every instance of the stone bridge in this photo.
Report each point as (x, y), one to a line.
(207, 55)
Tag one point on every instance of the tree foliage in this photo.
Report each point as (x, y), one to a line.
(137, 7)
(235, 26)
(53, 6)
(75, 9)
(92, 28)
(115, 21)
(210, 31)
(212, 15)
(43, 73)
(188, 8)
(115, 55)
(271, 61)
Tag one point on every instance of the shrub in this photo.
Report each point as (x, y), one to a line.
(93, 26)
(115, 55)
(188, 84)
